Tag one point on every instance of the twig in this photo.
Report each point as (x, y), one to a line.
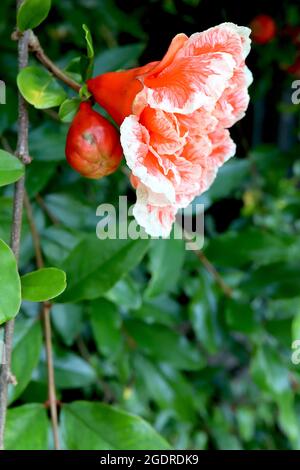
(50, 371)
(53, 114)
(212, 270)
(46, 309)
(5, 144)
(36, 48)
(34, 232)
(44, 207)
(23, 154)
(108, 395)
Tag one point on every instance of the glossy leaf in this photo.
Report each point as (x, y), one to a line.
(27, 428)
(203, 315)
(11, 169)
(32, 13)
(166, 261)
(102, 428)
(87, 62)
(10, 284)
(269, 372)
(67, 320)
(104, 263)
(125, 293)
(40, 88)
(26, 354)
(71, 371)
(164, 345)
(68, 109)
(43, 284)
(106, 324)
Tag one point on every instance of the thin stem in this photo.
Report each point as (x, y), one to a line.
(212, 270)
(34, 232)
(50, 372)
(23, 155)
(44, 207)
(46, 310)
(37, 49)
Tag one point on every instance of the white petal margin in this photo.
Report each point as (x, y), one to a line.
(203, 90)
(135, 144)
(244, 34)
(153, 212)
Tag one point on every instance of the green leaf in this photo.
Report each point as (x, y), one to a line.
(68, 109)
(104, 427)
(288, 419)
(203, 315)
(277, 280)
(27, 428)
(240, 317)
(59, 205)
(168, 388)
(103, 264)
(10, 284)
(246, 422)
(43, 284)
(71, 371)
(40, 88)
(11, 169)
(268, 371)
(58, 243)
(230, 178)
(106, 324)
(47, 142)
(38, 175)
(249, 244)
(87, 62)
(296, 326)
(67, 320)
(163, 309)
(89, 41)
(164, 345)
(32, 13)
(125, 293)
(118, 58)
(166, 260)
(26, 353)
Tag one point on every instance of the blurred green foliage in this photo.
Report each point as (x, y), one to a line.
(143, 325)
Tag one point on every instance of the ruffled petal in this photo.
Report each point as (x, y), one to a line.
(153, 212)
(190, 83)
(142, 162)
(223, 148)
(226, 37)
(232, 105)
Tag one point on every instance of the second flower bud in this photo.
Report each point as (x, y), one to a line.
(93, 146)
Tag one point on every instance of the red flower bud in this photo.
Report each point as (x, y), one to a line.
(93, 145)
(115, 91)
(263, 29)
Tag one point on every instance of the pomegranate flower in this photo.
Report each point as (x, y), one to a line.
(174, 116)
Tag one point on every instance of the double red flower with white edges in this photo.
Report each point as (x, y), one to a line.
(174, 117)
